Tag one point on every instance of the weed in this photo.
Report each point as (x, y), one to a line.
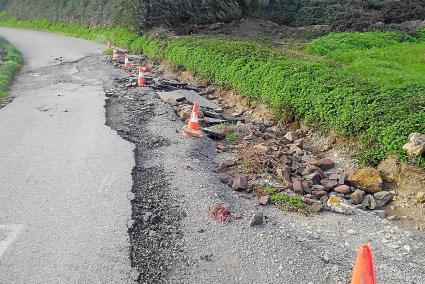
(232, 137)
(291, 203)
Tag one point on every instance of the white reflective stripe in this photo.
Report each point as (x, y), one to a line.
(194, 117)
(141, 75)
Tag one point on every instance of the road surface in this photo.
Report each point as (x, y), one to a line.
(65, 177)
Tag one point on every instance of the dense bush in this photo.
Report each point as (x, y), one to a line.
(176, 14)
(370, 86)
(11, 61)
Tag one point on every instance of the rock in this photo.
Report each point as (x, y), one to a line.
(226, 179)
(261, 148)
(309, 169)
(329, 184)
(257, 219)
(264, 200)
(313, 178)
(291, 136)
(393, 218)
(313, 162)
(284, 173)
(305, 185)
(297, 186)
(369, 202)
(213, 135)
(367, 179)
(420, 197)
(221, 166)
(240, 183)
(336, 204)
(357, 197)
(221, 147)
(285, 159)
(326, 164)
(318, 193)
(343, 189)
(184, 112)
(382, 198)
(416, 146)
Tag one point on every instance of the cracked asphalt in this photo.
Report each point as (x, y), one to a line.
(65, 177)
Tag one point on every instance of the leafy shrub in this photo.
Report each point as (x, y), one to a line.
(11, 63)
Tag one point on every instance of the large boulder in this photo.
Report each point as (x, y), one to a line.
(367, 179)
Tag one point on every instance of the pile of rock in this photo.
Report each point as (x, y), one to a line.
(297, 170)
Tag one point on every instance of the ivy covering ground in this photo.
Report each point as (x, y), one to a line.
(10, 63)
(367, 86)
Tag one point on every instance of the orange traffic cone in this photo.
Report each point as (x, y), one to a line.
(364, 272)
(115, 55)
(141, 79)
(192, 128)
(126, 62)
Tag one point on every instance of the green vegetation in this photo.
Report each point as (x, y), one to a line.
(368, 86)
(11, 61)
(232, 137)
(108, 52)
(181, 15)
(286, 202)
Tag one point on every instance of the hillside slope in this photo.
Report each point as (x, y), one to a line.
(175, 14)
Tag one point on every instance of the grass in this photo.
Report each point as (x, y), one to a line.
(366, 86)
(10, 64)
(232, 137)
(291, 203)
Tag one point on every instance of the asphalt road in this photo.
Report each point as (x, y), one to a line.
(65, 177)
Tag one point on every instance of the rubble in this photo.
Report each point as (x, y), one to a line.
(264, 152)
(220, 212)
(382, 198)
(256, 219)
(240, 183)
(357, 197)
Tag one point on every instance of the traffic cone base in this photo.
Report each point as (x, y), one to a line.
(192, 133)
(364, 272)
